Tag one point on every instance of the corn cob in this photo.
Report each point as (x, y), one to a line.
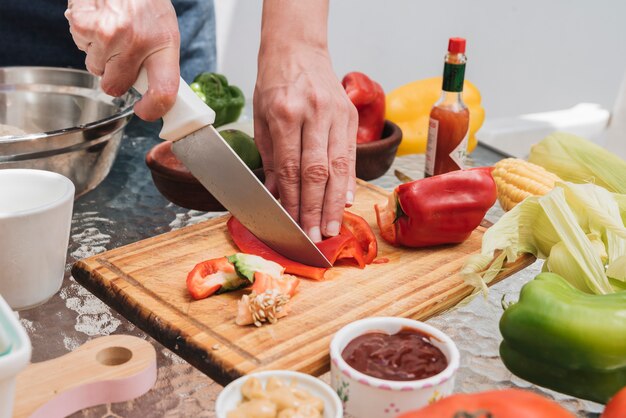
(517, 179)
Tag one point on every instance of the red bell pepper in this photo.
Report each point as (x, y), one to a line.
(442, 209)
(369, 99)
(505, 403)
(286, 284)
(363, 234)
(209, 276)
(355, 242)
(344, 246)
(248, 243)
(279, 289)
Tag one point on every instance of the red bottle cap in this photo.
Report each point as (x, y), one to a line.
(456, 45)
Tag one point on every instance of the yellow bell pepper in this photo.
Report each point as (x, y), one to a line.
(409, 107)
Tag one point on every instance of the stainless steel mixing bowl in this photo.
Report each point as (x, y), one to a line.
(73, 128)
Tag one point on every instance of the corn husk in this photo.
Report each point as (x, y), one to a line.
(579, 160)
(617, 270)
(578, 228)
(583, 265)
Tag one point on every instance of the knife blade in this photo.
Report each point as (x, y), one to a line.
(200, 147)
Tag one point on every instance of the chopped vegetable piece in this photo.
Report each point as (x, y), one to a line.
(363, 234)
(564, 339)
(355, 242)
(507, 403)
(285, 284)
(578, 160)
(268, 300)
(247, 265)
(442, 209)
(249, 244)
(211, 276)
(342, 247)
(259, 308)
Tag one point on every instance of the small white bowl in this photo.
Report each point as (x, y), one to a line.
(365, 396)
(230, 396)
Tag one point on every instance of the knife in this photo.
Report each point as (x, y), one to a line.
(198, 145)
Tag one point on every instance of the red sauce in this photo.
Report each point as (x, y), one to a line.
(453, 126)
(407, 355)
(382, 260)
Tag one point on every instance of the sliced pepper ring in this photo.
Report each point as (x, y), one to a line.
(363, 234)
(208, 277)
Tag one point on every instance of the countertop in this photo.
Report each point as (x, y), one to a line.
(127, 207)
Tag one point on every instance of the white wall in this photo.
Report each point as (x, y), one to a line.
(524, 55)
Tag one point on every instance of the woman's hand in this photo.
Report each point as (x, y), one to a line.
(121, 36)
(304, 123)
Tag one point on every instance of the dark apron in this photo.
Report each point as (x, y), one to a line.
(35, 32)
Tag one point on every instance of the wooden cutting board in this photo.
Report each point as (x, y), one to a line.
(145, 282)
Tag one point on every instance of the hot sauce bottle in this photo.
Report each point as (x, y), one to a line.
(448, 126)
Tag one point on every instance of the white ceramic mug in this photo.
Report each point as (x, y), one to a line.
(35, 218)
(365, 396)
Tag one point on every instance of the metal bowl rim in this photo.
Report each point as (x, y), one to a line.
(121, 114)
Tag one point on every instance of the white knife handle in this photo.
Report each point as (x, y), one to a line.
(188, 115)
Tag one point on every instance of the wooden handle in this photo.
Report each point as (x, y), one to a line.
(108, 369)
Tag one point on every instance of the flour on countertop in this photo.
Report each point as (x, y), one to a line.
(191, 218)
(70, 343)
(90, 242)
(94, 317)
(29, 326)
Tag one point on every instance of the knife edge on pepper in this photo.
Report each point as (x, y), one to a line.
(355, 243)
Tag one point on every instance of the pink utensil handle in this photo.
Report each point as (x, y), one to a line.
(109, 369)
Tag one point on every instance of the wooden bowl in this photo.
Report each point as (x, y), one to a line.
(373, 159)
(177, 184)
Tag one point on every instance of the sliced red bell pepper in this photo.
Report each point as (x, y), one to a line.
(248, 243)
(209, 276)
(356, 241)
(342, 247)
(286, 284)
(363, 234)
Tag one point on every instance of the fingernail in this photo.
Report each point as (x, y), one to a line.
(315, 234)
(332, 228)
(349, 198)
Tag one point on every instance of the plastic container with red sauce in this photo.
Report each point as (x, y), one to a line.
(448, 127)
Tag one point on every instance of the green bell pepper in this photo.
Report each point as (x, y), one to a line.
(226, 100)
(561, 338)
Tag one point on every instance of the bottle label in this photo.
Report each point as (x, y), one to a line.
(431, 147)
(453, 76)
(459, 153)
